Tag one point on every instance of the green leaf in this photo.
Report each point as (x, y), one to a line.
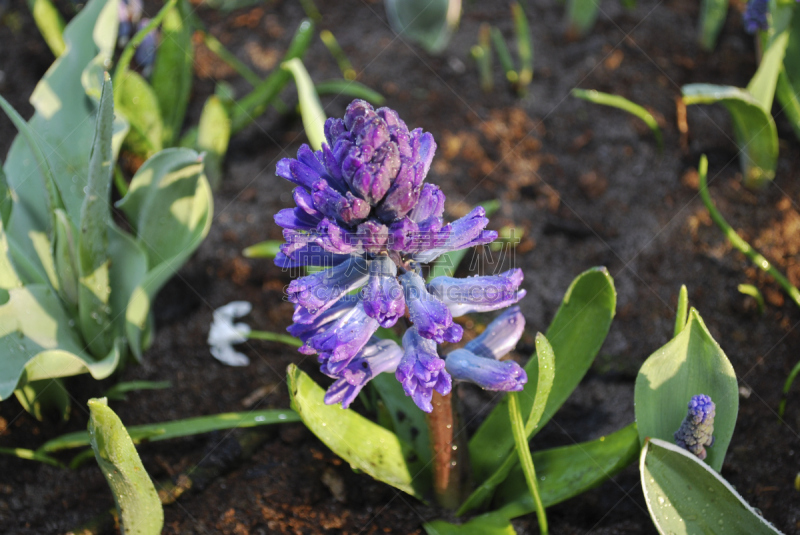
(50, 24)
(119, 391)
(365, 445)
(310, 107)
(568, 471)
(135, 496)
(138, 103)
(581, 16)
(93, 259)
(181, 428)
(492, 523)
(789, 101)
(547, 369)
(762, 85)
(712, 18)
(6, 202)
(170, 206)
(63, 112)
(65, 250)
(45, 400)
(576, 334)
(684, 495)
(349, 88)
(430, 23)
(408, 421)
(682, 313)
(524, 46)
(622, 103)
(754, 129)
(36, 340)
(691, 363)
(31, 455)
(525, 461)
(172, 70)
(789, 80)
(257, 101)
(213, 135)
(264, 249)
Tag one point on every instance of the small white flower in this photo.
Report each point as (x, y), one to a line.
(224, 333)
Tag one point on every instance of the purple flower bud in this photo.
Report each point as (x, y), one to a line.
(430, 316)
(347, 209)
(478, 294)
(335, 239)
(430, 204)
(342, 340)
(321, 290)
(697, 429)
(755, 16)
(373, 236)
(490, 374)
(378, 356)
(500, 336)
(421, 371)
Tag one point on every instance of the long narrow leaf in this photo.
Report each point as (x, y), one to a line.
(310, 107)
(351, 89)
(622, 103)
(181, 428)
(50, 23)
(94, 287)
(256, 102)
(712, 18)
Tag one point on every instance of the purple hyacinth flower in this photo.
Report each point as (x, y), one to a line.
(478, 294)
(129, 12)
(755, 16)
(361, 201)
(338, 344)
(500, 336)
(379, 356)
(697, 429)
(421, 371)
(430, 316)
(383, 299)
(145, 53)
(321, 290)
(490, 374)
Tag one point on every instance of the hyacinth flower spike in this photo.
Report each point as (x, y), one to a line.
(364, 212)
(755, 16)
(696, 432)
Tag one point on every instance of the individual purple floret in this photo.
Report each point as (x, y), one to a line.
(479, 361)
(755, 16)
(363, 211)
(697, 429)
(478, 294)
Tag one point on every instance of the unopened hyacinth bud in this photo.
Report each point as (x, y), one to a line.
(364, 212)
(697, 429)
(755, 16)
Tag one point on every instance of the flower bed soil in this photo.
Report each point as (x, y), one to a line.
(587, 184)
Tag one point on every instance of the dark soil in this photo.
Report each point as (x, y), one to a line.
(587, 184)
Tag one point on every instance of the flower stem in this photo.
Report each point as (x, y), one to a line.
(525, 459)
(449, 460)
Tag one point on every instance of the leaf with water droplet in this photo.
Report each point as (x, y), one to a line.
(690, 496)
